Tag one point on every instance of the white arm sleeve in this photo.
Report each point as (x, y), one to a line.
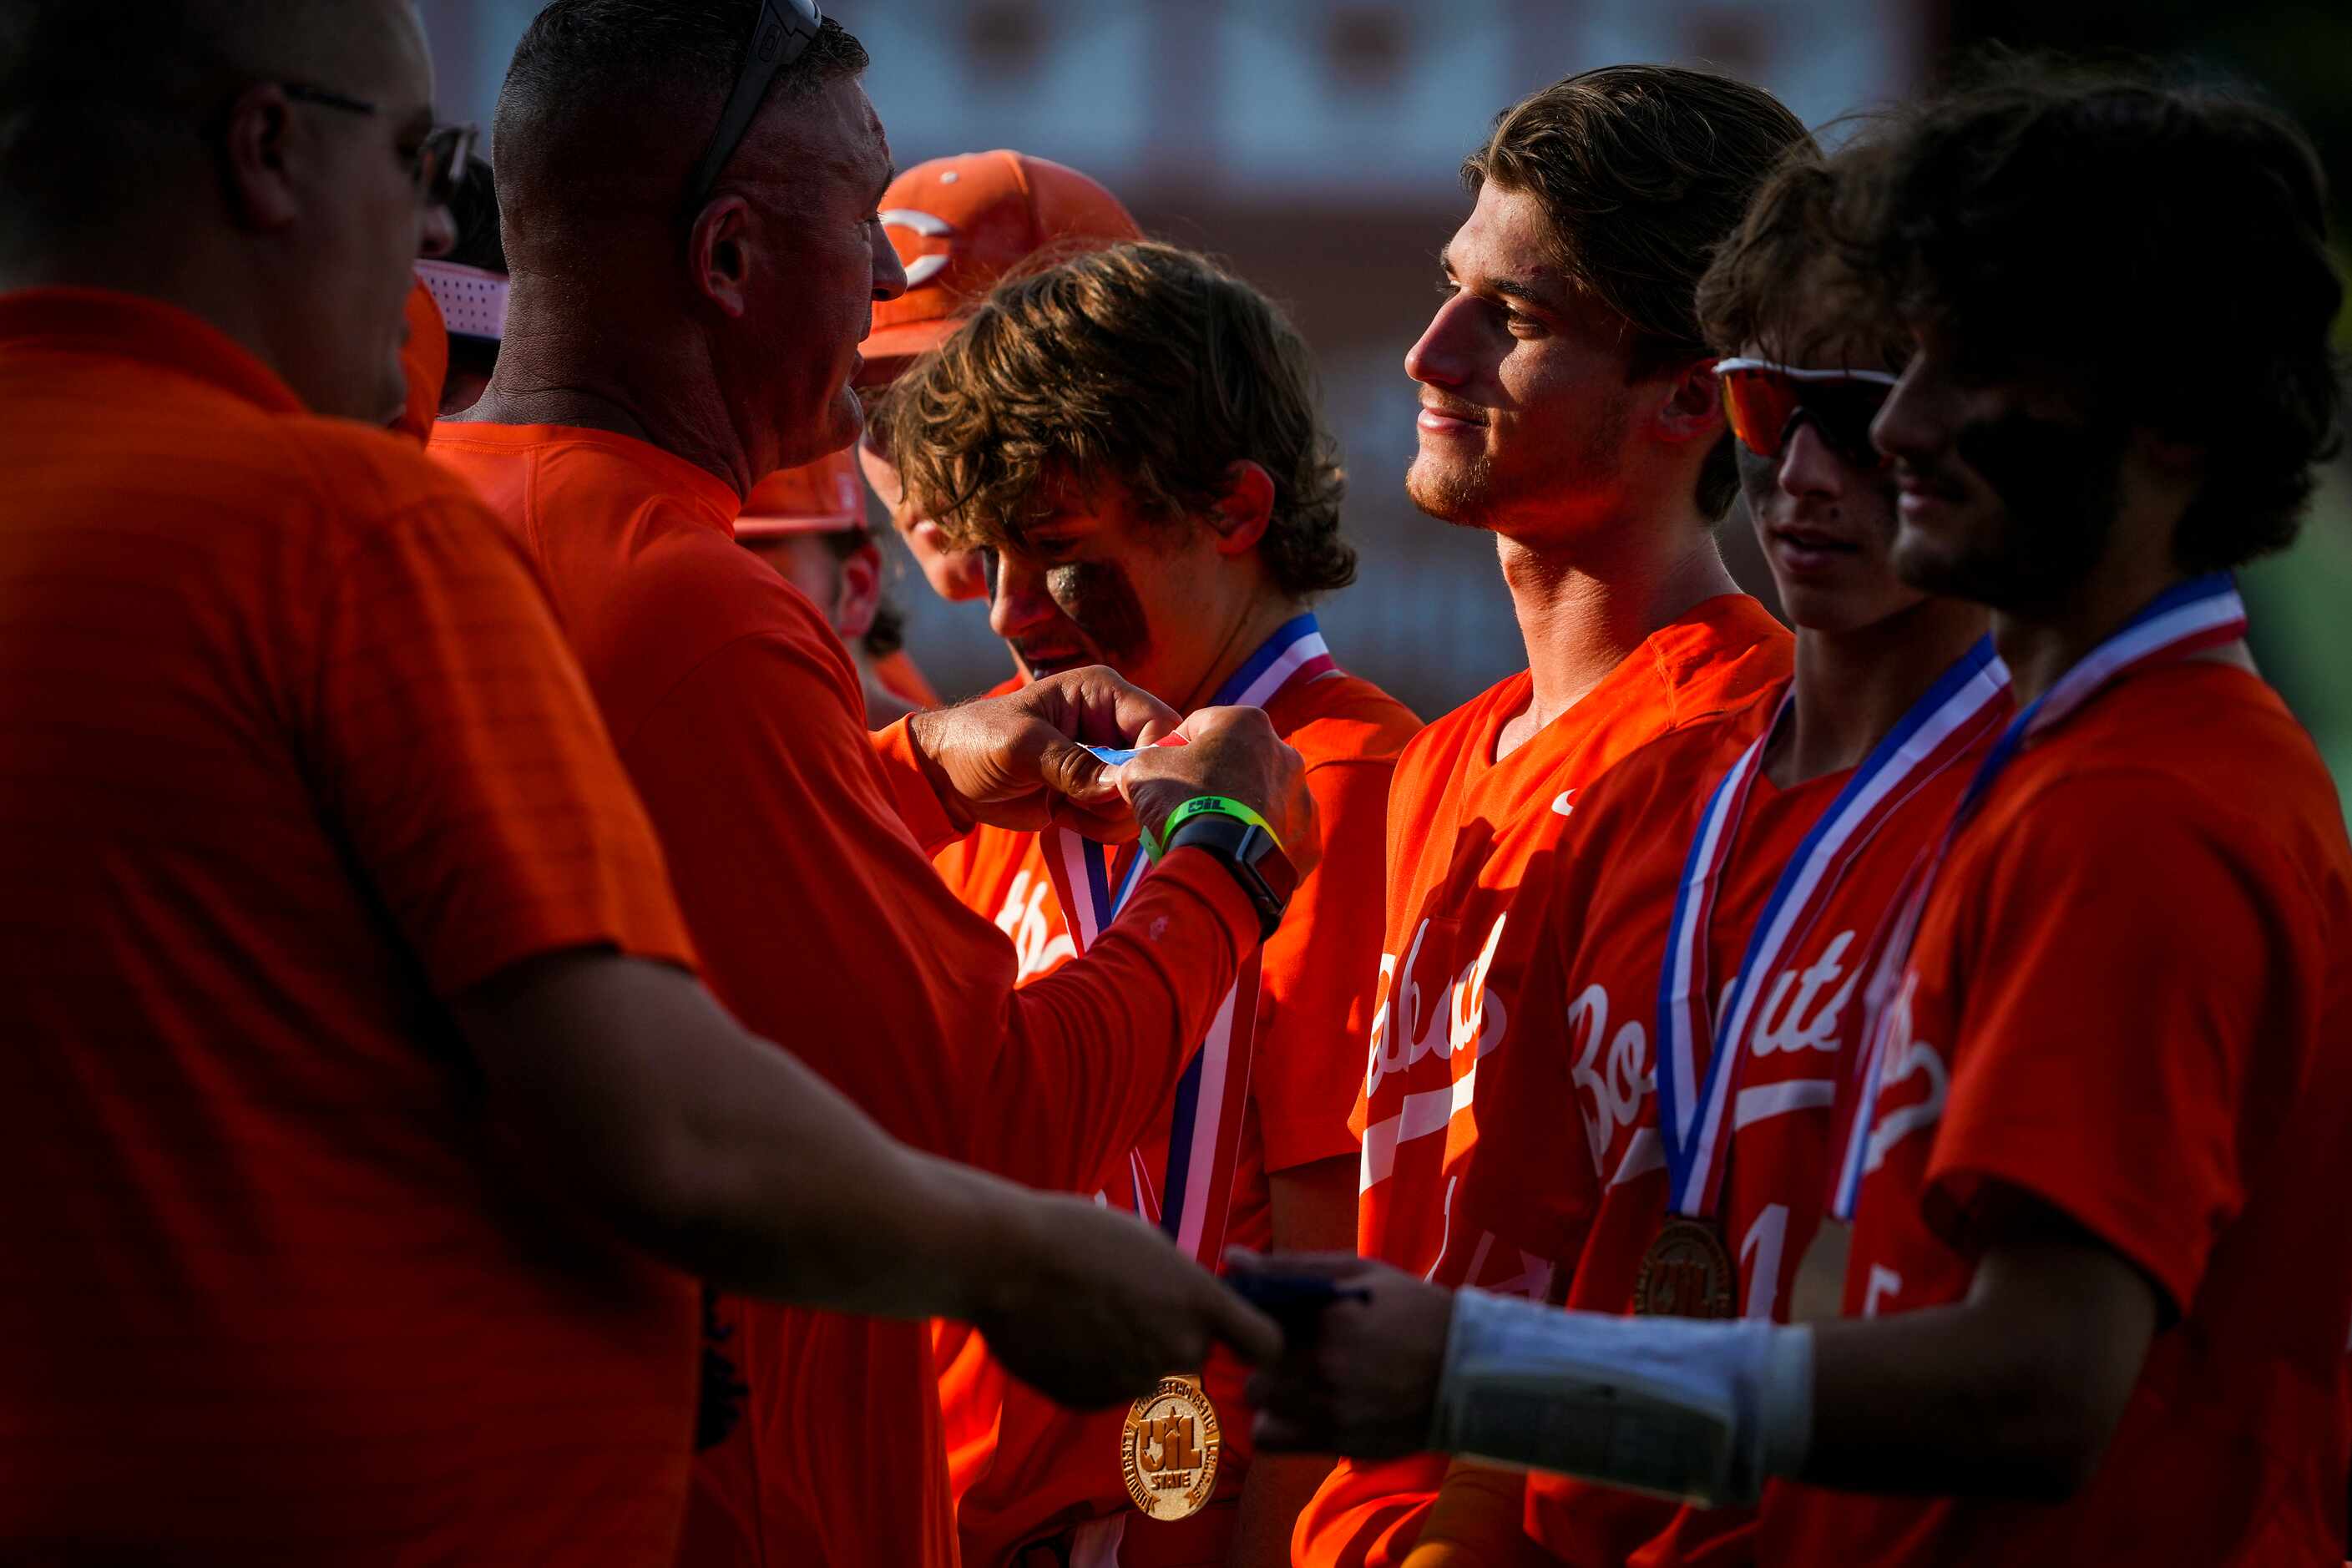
(1685, 1409)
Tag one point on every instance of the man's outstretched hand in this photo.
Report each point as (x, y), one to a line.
(1093, 1307)
(1362, 1378)
(1020, 760)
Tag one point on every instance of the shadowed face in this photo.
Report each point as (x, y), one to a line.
(362, 220)
(2005, 494)
(1825, 526)
(1096, 582)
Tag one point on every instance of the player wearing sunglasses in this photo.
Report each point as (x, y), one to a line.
(1819, 812)
(2094, 1299)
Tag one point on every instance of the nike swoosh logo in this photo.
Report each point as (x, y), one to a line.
(1562, 804)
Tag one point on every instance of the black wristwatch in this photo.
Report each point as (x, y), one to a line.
(1241, 840)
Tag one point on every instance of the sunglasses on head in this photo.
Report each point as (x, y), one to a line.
(781, 33)
(1763, 403)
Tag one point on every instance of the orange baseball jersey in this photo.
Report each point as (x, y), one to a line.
(291, 753)
(1465, 834)
(798, 847)
(1022, 1466)
(1807, 881)
(2128, 1000)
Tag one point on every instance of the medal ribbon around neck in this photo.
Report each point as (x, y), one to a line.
(2187, 618)
(1695, 1094)
(1094, 885)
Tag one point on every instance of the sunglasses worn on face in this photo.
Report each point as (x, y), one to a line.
(780, 35)
(1763, 403)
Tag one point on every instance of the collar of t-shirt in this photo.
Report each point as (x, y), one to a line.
(659, 472)
(105, 323)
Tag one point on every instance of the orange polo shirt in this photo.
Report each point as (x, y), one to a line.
(291, 752)
(799, 845)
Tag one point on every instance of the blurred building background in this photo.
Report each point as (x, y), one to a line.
(1313, 144)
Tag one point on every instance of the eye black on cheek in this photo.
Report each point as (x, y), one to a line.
(1098, 598)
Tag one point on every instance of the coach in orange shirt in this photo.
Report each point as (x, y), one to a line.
(1569, 406)
(360, 1117)
(689, 293)
(1186, 559)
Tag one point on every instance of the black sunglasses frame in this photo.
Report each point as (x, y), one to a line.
(780, 35)
(1825, 408)
(440, 161)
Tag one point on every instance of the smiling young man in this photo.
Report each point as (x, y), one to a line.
(1724, 892)
(1569, 407)
(690, 289)
(2095, 1307)
(1131, 436)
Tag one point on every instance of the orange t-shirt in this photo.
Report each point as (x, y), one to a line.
(1022, 1466)
(2129, 1000)
(797, 843)
(290, 752)
(1466, 833)
(1591, 1220)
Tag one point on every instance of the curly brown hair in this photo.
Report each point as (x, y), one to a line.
(2164, 247)
(1775, 284)
(1640, 172)
(1142, 363)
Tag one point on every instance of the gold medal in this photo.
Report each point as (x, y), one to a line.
(1168, 1451)
(1687, 1273)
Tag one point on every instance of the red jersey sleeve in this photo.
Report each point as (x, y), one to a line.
(1320, 971)
(461, 753)
(2118, 978)
(901, 982)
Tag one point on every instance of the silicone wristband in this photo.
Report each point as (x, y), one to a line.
(1156, 845)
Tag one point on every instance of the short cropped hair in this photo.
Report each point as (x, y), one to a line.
(1143, 364)
(1640, 172)
(1776, 283)
(2164, 247)
(616, 72)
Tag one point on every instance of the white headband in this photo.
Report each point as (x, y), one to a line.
(473, 302)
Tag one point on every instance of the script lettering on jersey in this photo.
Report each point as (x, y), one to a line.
(1896, 1110)
(1615, 1070)
(1786, 1023)
(1413, 1020)
(1025, 918)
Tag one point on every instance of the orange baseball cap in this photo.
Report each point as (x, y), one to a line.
(962, 223)
(823, 497)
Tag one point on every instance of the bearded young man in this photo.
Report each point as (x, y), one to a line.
(2108, 1103)
(1567, 406)
(690, 287)
(1130, 438)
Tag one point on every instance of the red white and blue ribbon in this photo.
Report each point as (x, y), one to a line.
(1694, 1091)
(1204, 1137)
(2185, 619)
